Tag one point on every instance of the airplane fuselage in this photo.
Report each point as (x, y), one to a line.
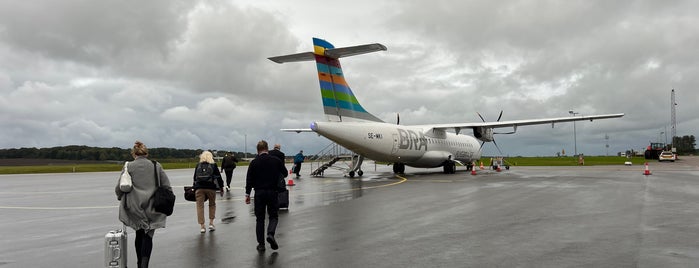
(413, 146)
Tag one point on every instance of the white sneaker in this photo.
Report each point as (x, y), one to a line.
(228, 189)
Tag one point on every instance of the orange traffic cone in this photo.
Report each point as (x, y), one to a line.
(290, 182)
(647, 171)
(473, 171)
(482, 165)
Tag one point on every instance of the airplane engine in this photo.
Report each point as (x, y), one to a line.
(433, 159)
(483, 134)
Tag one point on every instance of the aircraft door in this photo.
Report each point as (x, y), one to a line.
(396, 143)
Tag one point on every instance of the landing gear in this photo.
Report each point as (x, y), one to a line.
(449, 167)
(398, 168)
(359, 173)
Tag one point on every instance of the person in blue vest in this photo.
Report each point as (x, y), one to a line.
(298, 159)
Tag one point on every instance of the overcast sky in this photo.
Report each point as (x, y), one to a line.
(195, 74)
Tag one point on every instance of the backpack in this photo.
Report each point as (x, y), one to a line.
(204, 172)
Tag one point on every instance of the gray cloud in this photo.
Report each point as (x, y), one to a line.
(195, 74)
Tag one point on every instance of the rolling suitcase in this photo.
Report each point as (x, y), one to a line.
(115, 248)
(284, 200)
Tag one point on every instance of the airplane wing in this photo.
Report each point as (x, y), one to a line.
(515, 123)
(297, 130)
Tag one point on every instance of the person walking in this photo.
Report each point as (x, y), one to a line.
(207, 180)
(298, 159)
(283, 194)
(136, 207)
(278, 153)
(227, 166)
(264, 174)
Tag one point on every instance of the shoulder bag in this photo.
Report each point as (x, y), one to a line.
(125, 184)
(164, 199)
(189, 193)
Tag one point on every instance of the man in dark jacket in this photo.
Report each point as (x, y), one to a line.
(278, 153)
(227, 166)
(263, 175)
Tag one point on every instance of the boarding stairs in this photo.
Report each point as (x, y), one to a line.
(332, 156)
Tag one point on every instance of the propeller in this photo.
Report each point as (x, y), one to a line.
(496, 144)
(397, 119)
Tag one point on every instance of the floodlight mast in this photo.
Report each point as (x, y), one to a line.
(575, 138)
(673, 119)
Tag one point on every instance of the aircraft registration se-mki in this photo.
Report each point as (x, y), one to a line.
(427, 146)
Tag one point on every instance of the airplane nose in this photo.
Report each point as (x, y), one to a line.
(314, 126)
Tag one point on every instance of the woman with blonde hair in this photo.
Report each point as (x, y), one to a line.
(136, 207)
(207, 180)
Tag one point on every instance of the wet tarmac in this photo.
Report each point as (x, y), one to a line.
(611, 216)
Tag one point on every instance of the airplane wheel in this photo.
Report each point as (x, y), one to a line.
(398, 168)
(360, 173)
(351, 174)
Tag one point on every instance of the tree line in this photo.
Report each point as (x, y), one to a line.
(81, 152)
(685, 145)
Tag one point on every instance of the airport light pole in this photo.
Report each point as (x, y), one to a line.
(575, 138)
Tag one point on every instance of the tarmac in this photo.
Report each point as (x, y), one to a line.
(582, 216)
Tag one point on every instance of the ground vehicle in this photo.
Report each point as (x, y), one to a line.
(654, 150)
(666, 156)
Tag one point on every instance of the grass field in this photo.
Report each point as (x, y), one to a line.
(190, 163)
(570, 161)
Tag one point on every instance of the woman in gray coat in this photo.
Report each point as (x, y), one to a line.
(136, 207)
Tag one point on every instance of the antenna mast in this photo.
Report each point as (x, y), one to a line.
(673, 119)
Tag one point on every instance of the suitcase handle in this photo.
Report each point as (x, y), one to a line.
(117, 253)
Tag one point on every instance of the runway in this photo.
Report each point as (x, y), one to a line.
(611, 216)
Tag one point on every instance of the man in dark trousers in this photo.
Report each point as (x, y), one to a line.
(228, 166)
(298, 159)
(263, 176)
(283, 195)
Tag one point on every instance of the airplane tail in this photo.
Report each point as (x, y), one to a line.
(339, 102)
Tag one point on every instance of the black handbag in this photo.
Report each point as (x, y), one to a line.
(189, 194)
(163, 198)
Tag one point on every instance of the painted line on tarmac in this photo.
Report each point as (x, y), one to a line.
(402, 180)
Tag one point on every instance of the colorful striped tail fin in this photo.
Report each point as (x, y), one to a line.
(339, 102)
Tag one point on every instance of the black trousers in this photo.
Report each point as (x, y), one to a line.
(266, 200)
(297, 169)
(229, 175)
(144, 244)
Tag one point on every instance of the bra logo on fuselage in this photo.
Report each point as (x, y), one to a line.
(410, 140)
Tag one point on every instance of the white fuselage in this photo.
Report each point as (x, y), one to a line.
(413, 146)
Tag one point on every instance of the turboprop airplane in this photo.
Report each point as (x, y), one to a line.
(425, 146)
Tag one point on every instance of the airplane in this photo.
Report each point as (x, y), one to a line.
(424, 146)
